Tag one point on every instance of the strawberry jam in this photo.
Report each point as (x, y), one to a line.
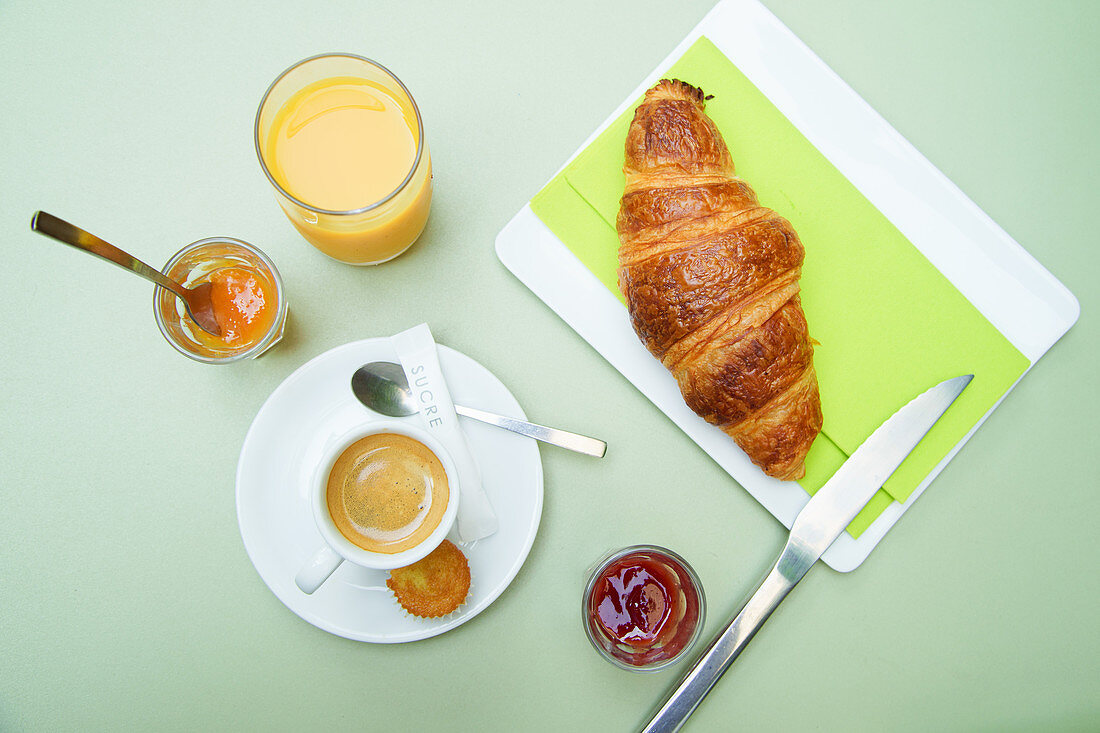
(643, 607)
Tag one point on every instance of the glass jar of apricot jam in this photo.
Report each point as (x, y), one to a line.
(643, 608)
(247, 294)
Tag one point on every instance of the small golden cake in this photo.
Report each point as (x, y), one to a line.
(434, 586)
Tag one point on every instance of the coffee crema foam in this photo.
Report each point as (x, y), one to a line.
(387, 492)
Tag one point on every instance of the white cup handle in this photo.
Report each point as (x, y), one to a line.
(323, 564)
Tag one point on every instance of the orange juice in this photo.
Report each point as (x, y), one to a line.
(342, 141)
(340, 144)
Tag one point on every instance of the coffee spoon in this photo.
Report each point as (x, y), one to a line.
(196, 300)
(382, 386)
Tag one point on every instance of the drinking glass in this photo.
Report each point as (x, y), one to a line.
(620, 577)
(371, 232)
(194, 264)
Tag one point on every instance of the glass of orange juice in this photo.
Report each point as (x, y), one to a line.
(341, 140)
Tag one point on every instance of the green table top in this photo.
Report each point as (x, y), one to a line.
(126, 597)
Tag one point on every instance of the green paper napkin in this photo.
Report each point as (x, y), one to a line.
(888, 323)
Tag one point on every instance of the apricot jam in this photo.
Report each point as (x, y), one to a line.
(643, 607)
(243, 304)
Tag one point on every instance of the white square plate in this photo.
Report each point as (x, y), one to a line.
(1013, 291)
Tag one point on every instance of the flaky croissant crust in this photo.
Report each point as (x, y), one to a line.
(711, 282)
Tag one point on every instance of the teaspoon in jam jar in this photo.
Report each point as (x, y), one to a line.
(196, 300)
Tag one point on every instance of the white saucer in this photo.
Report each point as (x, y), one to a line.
(282, 447)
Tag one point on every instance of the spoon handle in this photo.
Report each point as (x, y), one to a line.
(67, 233)
(560, 438)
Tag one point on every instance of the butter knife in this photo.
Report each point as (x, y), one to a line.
(819, 523)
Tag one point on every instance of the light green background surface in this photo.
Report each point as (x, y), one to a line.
(126, 598)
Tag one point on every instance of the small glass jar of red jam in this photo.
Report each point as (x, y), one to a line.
(643, 608)
(247, 295)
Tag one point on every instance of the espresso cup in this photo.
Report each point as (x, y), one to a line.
(383, 496)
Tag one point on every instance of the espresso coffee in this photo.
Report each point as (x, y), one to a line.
(387, 492)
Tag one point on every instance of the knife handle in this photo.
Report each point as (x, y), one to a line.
(714, 661)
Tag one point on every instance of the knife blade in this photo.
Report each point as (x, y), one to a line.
(820, 522)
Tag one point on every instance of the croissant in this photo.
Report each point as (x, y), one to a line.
(710, 279)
